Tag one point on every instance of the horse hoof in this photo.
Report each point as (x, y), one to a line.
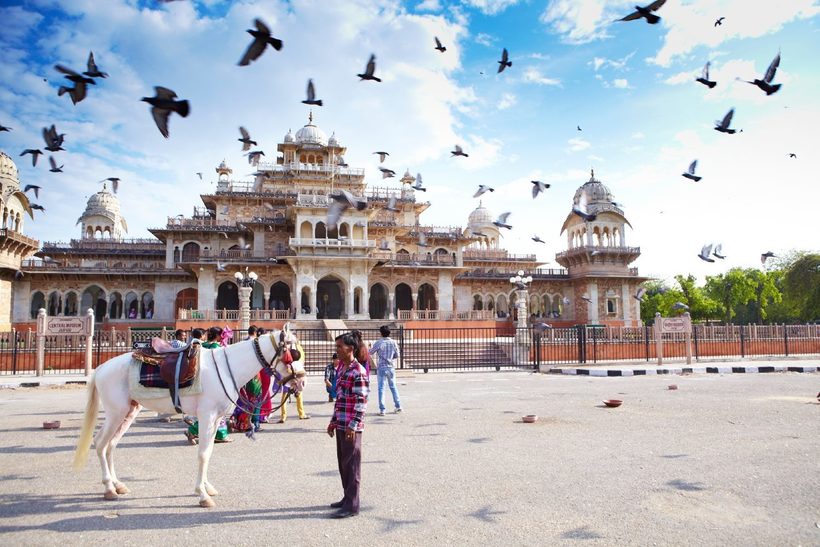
(208, 503)
(211, 491)
(110, 495)
(122, 489)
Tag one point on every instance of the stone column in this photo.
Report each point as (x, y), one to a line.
(348, 312)
(41, 342)
(391, 308)
(592, 314)
(206, 289)
(89, 340)
(313, 308)
(244, 307)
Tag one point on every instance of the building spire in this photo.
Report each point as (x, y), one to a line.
(310, 117)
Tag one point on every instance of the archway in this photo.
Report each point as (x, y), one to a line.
(94, 297)
(131, 305)
(115, 306)
(38, 300)
(427, 297)
(190, 252)
(304, 301)
(147, 306)
(502, 310)
(279, 296)
(258, 297)
(70, 304)
(357, 300)
(320, 232)
(404, 297)
(378, 302)
(186, 299)
(227, 296)
(329, 291)
(55, 303)
(478, 303)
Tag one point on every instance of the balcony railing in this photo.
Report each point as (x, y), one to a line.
(438, 315)
(331, 243)
(495, 255)
(199, 224)
(308, 169)
(415, 259)
(143, 244)
(231, 315)
(14, 235)
(102, 266)
(538, 273)
(599, 250)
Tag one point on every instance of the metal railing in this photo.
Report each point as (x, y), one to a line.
(297, 168)
(331, 243)
(495, 255)
(440, 315)
(231, 315)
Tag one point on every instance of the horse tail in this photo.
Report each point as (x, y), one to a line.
(87, 431)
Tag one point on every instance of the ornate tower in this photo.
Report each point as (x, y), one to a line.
(597, 258)
(14, 246)
(102, 218)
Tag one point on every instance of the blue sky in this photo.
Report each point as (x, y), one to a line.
(630, 86)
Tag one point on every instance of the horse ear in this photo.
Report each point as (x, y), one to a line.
(286, 328)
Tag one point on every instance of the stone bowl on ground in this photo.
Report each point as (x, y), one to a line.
(673, 387)
(529, 418)
(52, 425)
(612, 403)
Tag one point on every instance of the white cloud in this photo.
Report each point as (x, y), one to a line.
(507, 100)
(532, 75)
(581, 21)
(616, 64)
(578, 144)
(485, 39)
(429, 5)
(490, 7)
(692, 24)
(482, 152)
(620, 83)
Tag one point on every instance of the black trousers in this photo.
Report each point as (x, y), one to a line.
(349, 455)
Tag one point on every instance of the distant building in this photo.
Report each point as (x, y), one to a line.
(373, 264)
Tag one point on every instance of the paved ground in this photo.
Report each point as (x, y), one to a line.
(725, 459)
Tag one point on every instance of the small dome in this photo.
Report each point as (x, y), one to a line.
(480, 217)
(596, 192)
(103, 203)
(333, 141)
(289, 137)
(310, 134)
(8, 169)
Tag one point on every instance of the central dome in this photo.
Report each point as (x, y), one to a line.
(310, 134)
(479, 218)
(596, 192)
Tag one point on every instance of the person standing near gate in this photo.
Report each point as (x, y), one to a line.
(347, 423)
(386, 352)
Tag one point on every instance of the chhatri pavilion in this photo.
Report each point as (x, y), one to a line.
(373, 264)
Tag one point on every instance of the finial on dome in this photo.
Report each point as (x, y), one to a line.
(310, 116)
(105, 186)
(479, 203)
(591, 174)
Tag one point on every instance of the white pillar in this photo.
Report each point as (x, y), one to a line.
(348, 312)
(89, 340)
(391, 309)
(592, 314)
(244, 307)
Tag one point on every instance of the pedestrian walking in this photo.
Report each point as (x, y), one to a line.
(347, 423)
(330, 377)
(387, 353)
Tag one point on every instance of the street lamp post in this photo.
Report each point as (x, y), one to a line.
(246, 282)
(521, 283)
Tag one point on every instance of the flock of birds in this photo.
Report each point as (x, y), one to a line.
(165, 102)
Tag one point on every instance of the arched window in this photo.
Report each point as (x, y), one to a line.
(70, 306)
(427, 297)
(115, 306)
(55, 304)
(38, 300)
(478, 302)
(190, 252)
(147, 307)
(321, 231)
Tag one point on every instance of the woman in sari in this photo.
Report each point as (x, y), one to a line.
(214, 336)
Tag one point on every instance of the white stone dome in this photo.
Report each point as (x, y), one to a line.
(103, 203)
(310, 134)
(479, 218)
(8, 169)
(597, 193)
(289, 137)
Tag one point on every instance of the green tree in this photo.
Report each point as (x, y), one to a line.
(801, 283)
(701, 305)
(731, 290)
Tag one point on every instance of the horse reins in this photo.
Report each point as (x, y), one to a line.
(265, 365)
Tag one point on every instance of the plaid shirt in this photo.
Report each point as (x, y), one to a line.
(352, 388)
(386, 350)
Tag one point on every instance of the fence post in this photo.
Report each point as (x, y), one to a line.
(13, 351)
(41, 342)
(129, 343)
(786, 339)
(658, 338)
(582, 343)
(89, 340)
(401, 346)
(537, 365)
(742, 343)
(646, 341)
(695, 340)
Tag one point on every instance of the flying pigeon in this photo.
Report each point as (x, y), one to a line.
(311, 95)
(162, 104)
(705, 251)
(483, 189)
(77, 93)
(35, 155)
(680, 306)
(766, 83)
(382, 156)
(341, 162)
(54, 168)
(199, 174)
(254, 156)
(4, 128)
(74, 76)
(261, 39)
(646, 12)
(792, 155)
(439, 47)
(92, 70)
(586, 299)
(504, 62)
(582, 208)
(690, 173)
(718, 251)
(538, 187)
(578, 127)
(242, 245)
(54, 142)
(391, 204)
(704, 77)
(418, 184)
(115, 183)
(246, 139)
(501, 222)
(368, 72)
(422, 239)
(540, 327)
(387, 173)
(538, 239)
(459, 152)
(220, 267)
(639, 294)
(342, 202)
(723, 125)
(36, 207)
(384, 246)
(33, 187)
(719, 21)
(765, 256)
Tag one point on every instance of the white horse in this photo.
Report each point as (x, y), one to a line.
(222, 371)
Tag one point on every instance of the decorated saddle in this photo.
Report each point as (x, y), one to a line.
(167, 367)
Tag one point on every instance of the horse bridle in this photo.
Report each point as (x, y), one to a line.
(249, 407)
